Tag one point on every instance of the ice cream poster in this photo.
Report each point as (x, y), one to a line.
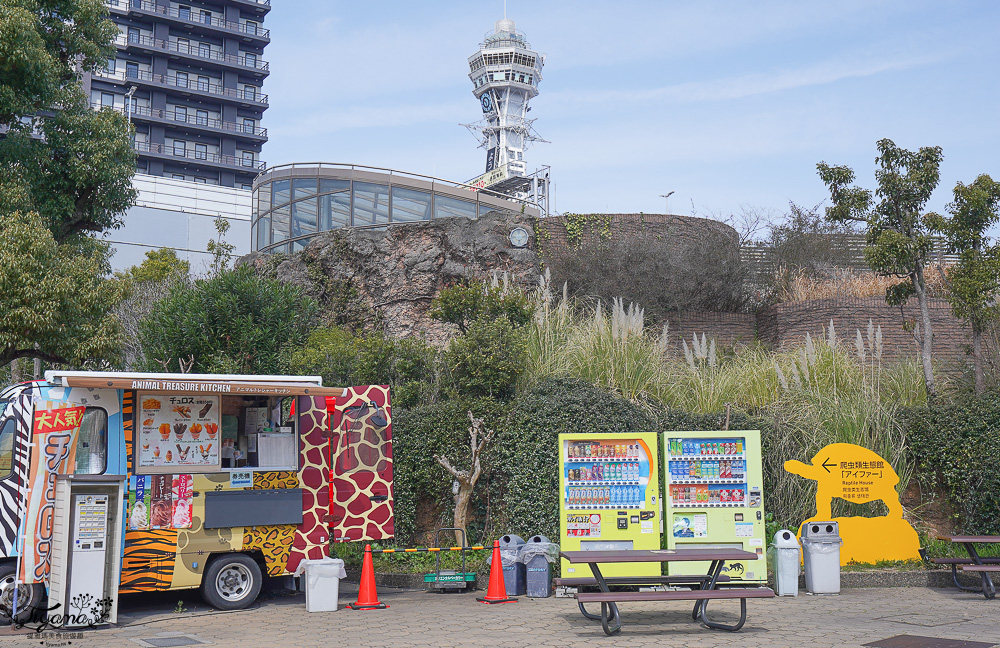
(138, 504)
(161, 501)
(178, 431)
(181, 493)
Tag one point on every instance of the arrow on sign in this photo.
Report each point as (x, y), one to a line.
(826, 466)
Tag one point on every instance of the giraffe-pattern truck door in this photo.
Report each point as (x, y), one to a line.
(361, 498)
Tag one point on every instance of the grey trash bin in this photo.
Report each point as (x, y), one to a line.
(786, 557)
(513, 568)
(821, 548)
(538, 554)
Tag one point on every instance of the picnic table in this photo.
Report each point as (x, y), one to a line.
(708, 586)
(975, 563)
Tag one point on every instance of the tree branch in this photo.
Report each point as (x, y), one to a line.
(16, 354)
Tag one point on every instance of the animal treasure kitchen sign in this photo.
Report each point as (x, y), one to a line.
(859, 475)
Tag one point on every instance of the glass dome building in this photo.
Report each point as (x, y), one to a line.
(292, 203)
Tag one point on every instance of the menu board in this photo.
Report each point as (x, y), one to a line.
(178, 433)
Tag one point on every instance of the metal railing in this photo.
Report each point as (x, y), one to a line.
(190, 84)
(392, 173)
(199, 156)
(250, 61)
(182, 117)
(191, 16)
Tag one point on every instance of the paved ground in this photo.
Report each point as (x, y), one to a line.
(416, 618)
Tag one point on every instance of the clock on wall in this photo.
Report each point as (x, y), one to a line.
(519, 237)
(487, 102)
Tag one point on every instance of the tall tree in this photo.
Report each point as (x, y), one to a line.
(53, 297)
(974, 281)
(899, 236)
(65, 176)
(59, 158)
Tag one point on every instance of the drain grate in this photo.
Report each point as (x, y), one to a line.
(916, 641)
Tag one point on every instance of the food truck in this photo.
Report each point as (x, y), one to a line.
(115, 483)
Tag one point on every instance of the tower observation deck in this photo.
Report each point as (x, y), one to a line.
(505, 74)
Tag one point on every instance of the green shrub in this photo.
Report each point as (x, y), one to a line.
(464, 303)
(959, 445)
(487, 360)
(422, 488)
(408, 366)
(234, 321)
(525, 456)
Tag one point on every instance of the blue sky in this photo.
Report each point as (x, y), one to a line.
(728, 104)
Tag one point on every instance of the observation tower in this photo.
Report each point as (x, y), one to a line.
(505, 74)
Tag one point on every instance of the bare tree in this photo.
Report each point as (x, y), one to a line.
(467, 478)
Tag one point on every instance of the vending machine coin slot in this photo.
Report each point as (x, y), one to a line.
(623, 523)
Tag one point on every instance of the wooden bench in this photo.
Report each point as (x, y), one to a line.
(965, 563)
(590, 581)
(981, 568)
(700, 596)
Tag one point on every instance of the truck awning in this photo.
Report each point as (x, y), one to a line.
(193, 384)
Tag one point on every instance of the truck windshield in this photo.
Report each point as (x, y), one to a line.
(92, 442)
(6, 444)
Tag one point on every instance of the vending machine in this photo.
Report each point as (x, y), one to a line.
(714, 499)
(609, 498)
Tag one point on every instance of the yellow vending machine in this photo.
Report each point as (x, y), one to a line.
(610, 498)
(714, 499)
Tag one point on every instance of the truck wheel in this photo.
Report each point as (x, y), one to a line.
(231, 582)
(29, 597)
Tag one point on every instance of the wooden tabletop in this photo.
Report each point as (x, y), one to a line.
(959, 538)
(656, 555)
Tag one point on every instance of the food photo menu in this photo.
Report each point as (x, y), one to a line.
(178, 432)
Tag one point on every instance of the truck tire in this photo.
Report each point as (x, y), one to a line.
(29, 597)
(231, 581)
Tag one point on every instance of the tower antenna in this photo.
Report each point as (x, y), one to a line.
(505, 73)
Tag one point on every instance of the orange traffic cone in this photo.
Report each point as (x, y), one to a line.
(497, 591)
(367, 596)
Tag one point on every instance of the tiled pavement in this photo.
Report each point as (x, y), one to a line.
(417, 618)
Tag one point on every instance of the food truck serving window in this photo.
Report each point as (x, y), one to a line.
(261, 433)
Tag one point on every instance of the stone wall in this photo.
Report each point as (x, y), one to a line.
(387, 278)
(679, 230)
(785, 325)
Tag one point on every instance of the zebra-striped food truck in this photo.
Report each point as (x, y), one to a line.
(114, 483)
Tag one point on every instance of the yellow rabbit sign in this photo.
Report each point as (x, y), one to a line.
(859, 475)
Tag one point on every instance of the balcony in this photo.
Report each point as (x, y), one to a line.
(246, 97)
(191, 19)
(245, 61)
(178, 117)
(199, 157)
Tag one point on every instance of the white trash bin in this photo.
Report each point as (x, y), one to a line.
(786, 559)
(322, 579)
(821, 550)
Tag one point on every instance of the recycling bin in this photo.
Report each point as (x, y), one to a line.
(322, 583)
(538, 554)
(786, 557)
(513, 568)
(821, 549)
